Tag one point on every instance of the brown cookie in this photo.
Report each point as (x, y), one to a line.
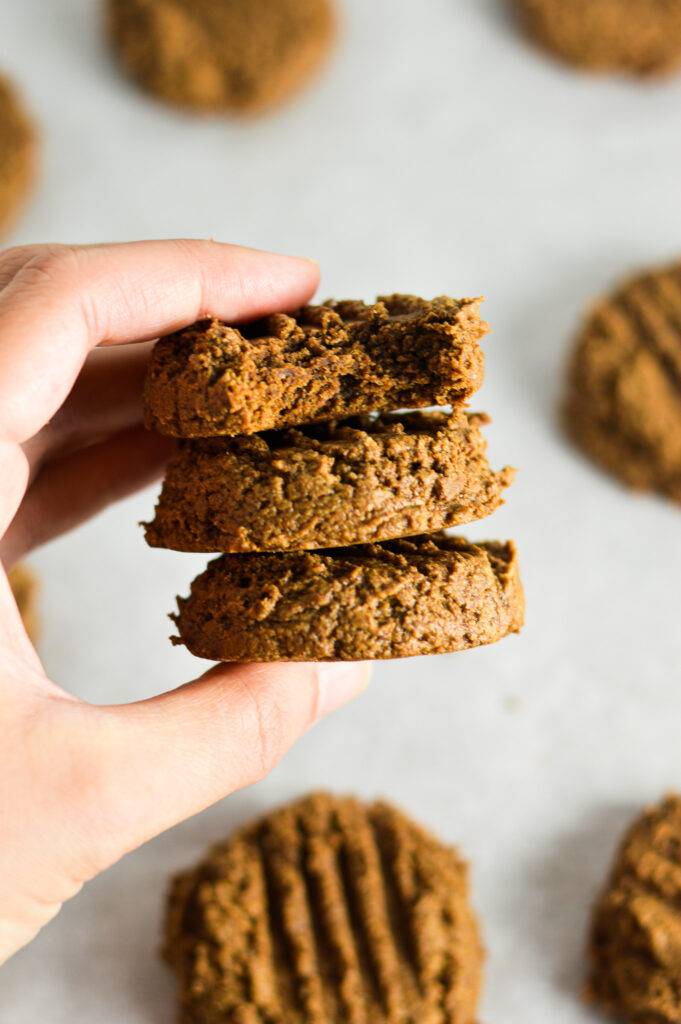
(24, 584)
(641, 37)
(222, 55)
(428, 595)
(17, 154)
(327, 911)
(635, 940)
(323, 363)
(357, 481)
(623, 403)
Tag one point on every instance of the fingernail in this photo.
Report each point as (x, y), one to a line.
(340, 682)
(291, 257)
(305, 259)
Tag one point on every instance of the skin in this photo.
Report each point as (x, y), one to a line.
(75, 326)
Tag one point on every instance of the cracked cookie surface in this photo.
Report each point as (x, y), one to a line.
(322, 363)
(239, 56)
(635, 940)
(623, 401)
(327, 911)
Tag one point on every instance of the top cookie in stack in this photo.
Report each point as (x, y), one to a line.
(322, 363)
(293, 465)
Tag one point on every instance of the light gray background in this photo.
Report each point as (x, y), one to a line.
(438, 153)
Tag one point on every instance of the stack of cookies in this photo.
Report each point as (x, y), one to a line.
(326, 506)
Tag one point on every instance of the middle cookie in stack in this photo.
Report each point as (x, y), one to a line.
(290, 448)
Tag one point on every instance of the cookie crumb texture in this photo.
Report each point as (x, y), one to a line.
(323, 363)
(24, 584)
(623, 403)
(428, 595)
(357, 481)
(641, 37)
(17, 154)
(635, 941)
(239, 56)
(327, 911)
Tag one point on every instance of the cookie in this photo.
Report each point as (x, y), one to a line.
(427, 595)
(623, 402)
(641, 37)
(24, 584)
(239, 56)
(17, 154)
(323, 363)
(327, 911)
(335, 484)
(635, 940)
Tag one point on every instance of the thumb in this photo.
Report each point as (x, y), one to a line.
(162, 760)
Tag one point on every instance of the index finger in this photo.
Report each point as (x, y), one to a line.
(61, 301)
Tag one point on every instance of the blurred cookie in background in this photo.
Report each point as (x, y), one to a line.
(239, 56)
(623, 400)
(26, 590)
(17, 153)
(635, 938)
(326, 911)
(641, 37)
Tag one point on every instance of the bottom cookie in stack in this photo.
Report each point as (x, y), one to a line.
(327, 911)
(424, 595)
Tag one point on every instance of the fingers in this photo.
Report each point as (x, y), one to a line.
(59, 302)
(106, 398)
(12, 260)
(97, 782)
(14, 475)
(76, 486)
(163, 760)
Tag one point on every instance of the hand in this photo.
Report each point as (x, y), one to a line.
(80, 785)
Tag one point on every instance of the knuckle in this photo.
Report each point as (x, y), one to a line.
(17, 254)
(199, 257)
(267, 730)
(48, 264)
(13, 260)
(67, 270)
